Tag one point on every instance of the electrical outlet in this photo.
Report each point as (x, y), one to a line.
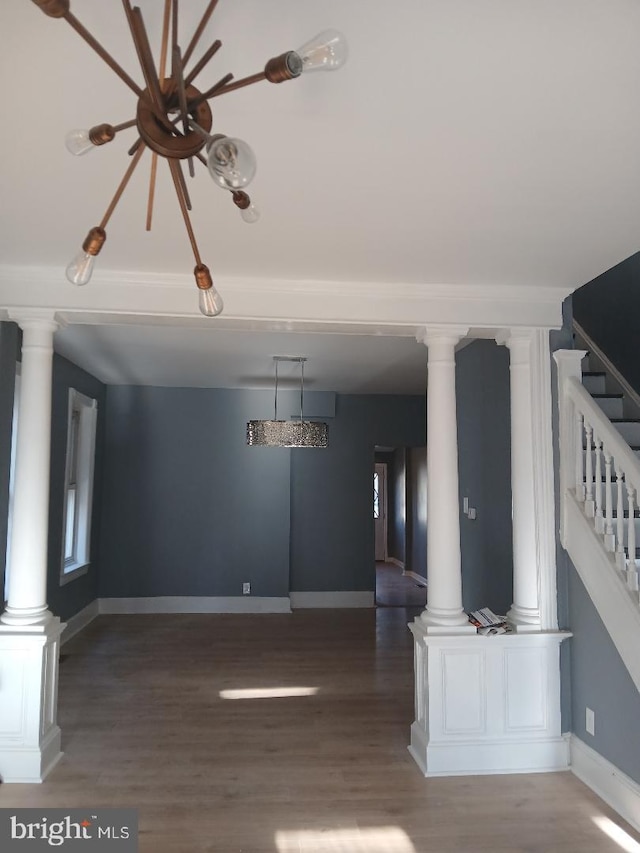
(590, 722)
(246, 589)
(471, 515)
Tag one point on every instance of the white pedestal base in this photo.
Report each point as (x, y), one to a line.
(487, 704)
(29, 734)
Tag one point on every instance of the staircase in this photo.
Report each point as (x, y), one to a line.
(600, 489)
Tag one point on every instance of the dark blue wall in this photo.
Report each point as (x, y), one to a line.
(397, 488)
(608, 309)
(600, 681)
(189, 509)
(67, 600)
(417, 511)
(332, 538)
(484, 458)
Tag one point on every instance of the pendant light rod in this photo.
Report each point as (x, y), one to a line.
(302, 361)
(145, 57)
(164, 44)
(175, 174)
(152, 189)
(123, 185)
(199, 30)
(206, 57)
(124, 125)
(275, 407)
(239, 84)
(71, 19)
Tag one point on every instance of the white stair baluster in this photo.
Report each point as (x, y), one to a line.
(599, 516)
(632, 570)
(589, 505)
(609, 538)
(579, 458)
(620, 523)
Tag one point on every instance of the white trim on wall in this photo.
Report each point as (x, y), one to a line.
(194, 604)
(395, 562)
(79, 621)
(416, 577)
(309, 600)
(616, 788)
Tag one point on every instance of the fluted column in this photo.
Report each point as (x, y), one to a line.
(444, 573)
(525, 610)
(27, 594)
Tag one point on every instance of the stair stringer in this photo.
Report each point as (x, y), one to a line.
(604, 583)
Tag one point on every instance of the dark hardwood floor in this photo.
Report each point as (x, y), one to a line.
(312, 757)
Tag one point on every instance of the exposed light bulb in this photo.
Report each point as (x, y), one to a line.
(78, 142)
(80, 269)
(231, 162)
(327, 51)
(210, 302)
(250, 214)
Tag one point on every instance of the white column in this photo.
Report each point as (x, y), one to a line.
(525, 610)
(27, 596)
(29, 634)
(444, 574)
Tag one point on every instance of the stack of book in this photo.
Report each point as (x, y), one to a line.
(487, 622)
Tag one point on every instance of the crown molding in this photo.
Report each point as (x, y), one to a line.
(164, 295)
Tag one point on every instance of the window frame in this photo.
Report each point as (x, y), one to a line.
(82, 420)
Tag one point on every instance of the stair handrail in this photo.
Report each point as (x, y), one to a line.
(606, 431)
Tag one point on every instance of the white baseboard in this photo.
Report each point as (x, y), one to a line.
(77, 623)
(194, 604)
(616, 788)
(310, 600)
(418, 578)
(395, 562)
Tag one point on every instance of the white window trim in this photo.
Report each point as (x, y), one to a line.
(87, 409)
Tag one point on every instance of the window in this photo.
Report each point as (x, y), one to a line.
(78, 490)
(376, 496)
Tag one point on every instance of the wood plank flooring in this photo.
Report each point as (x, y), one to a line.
(394, 589)
(144, 726)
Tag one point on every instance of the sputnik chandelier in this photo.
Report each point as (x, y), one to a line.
(174, 121)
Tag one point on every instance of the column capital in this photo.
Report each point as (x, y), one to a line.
(514, 337)
(442, 333)
(34, 318)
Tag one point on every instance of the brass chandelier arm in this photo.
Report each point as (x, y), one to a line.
(179, 81)
(102, 53)
(175, 171)
(143, 49)
(210, 93)
(239, 84)
(124, 125)
(152, 189)
(206, 57)
(183, 184)
(122, 186)
(162, 67)
(177, 69)
(199, 30)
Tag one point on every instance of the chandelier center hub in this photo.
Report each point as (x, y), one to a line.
(159, 138)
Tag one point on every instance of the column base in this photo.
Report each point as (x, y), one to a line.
(522, 619)
(29, 734)
(487, 704)
(446, 623)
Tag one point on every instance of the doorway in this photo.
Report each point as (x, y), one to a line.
(396, 500)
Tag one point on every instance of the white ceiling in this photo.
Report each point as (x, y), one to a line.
(467, 142)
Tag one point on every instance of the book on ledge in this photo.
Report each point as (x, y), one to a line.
(487, 622)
